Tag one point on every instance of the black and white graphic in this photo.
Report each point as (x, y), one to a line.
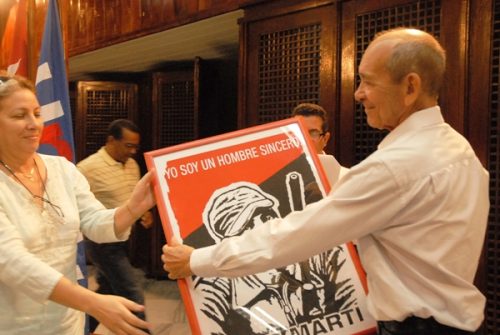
(224, 186)
(274, 301)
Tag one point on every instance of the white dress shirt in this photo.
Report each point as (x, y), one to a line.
(38, 247)
(418, 207)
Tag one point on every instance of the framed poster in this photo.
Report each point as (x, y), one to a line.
(221, 186)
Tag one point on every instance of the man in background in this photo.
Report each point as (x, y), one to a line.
(316, 121)
(112, 174)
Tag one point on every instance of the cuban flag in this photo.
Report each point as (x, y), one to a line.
(15, 40)
(53, 95)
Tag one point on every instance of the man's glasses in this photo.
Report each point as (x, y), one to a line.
(56, 208)
(316, 134)
(132, 146)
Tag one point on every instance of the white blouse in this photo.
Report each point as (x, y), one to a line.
(38, 247)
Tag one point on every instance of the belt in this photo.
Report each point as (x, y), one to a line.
(417, 326)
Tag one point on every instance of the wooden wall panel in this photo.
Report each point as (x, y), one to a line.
(175, 106)
(484, 131)
(38, 12)
(82, 16)
(478, 87)
(175, 120)
(154, 13)
(289, 56)
(93, 24)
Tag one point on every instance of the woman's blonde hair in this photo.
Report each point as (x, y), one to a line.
(12, 83)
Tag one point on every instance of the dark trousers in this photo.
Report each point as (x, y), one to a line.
(114, 274)
(418, 326)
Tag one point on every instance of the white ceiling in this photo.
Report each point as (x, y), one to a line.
(212, 38)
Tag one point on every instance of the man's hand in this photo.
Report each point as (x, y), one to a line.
(176, 258)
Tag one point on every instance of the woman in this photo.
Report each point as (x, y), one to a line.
(44, 204)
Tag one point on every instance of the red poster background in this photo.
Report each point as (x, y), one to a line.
(188, 210)
(193, 176)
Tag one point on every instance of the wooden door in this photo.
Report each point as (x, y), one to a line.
(175, 120)
(99, 103)
(289, 56)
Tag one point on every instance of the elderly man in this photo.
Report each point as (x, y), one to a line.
(418, 206)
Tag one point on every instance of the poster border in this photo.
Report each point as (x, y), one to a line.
(150, 157)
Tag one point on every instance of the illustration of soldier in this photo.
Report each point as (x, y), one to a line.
(273, 301)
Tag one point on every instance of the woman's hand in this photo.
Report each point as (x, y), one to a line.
(142, 198)
(115, 313)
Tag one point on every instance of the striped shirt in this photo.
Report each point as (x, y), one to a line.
(112, 182)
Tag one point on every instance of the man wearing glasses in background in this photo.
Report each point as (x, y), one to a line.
(112, 174)
(316, 121)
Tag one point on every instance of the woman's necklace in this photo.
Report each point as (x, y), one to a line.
(59, 217)
(31, 175)
(20, 181)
